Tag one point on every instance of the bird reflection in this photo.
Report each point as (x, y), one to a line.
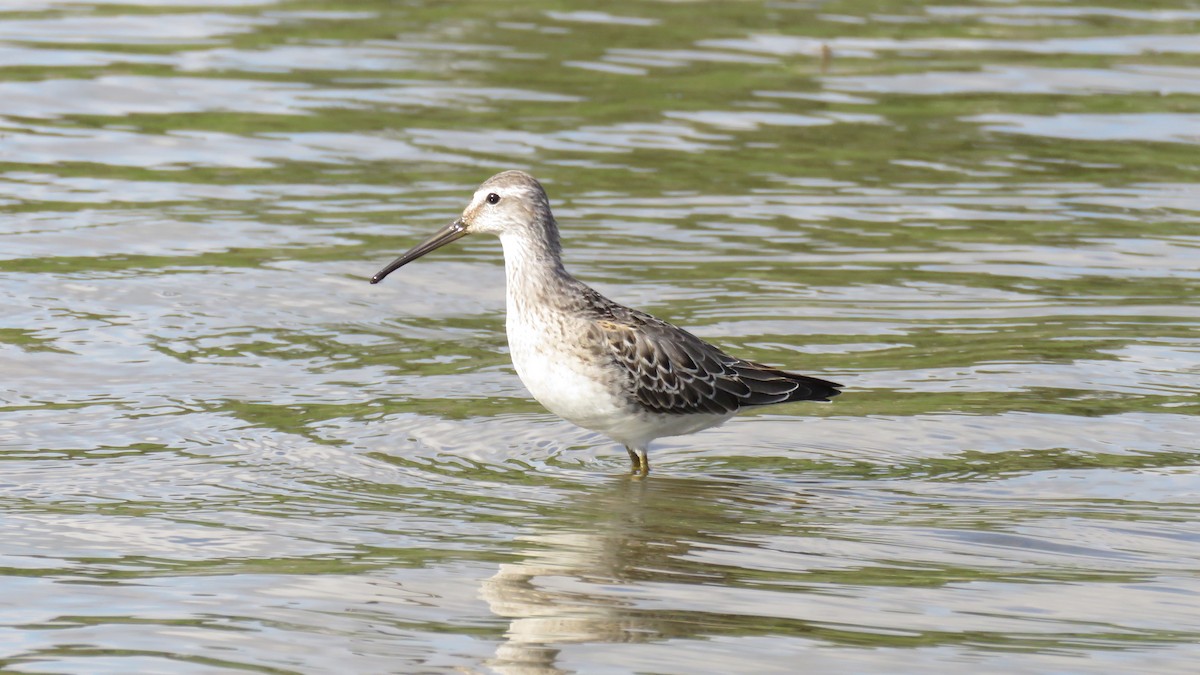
(567, 590)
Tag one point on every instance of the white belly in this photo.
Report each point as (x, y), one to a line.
(561, 379)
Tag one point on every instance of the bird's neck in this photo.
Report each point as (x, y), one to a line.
(534, 271)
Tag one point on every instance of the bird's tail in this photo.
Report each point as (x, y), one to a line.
(770, 385)
(812, 388)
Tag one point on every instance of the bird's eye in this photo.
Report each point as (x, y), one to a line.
(493, 198)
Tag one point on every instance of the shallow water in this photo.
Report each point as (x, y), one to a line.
(221, 450)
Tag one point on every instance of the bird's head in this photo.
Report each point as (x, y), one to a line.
(509, 203)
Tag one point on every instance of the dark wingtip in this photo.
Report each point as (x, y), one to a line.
(813, 388)
(770, 385)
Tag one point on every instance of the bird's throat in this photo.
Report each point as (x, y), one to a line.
(534, 273)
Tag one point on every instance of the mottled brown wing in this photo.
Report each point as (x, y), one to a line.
(671, 371)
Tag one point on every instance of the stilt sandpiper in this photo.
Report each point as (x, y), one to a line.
(591, 361)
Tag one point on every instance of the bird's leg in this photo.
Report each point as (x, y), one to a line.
(633, 457)
(640, 461)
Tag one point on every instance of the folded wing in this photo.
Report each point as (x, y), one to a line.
(671, 371)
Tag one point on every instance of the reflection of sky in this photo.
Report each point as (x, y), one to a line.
(1071, 11)
(42, 5)
(144, 29)
(1164, 80)
(1119, 45)
(1157, 127)
(127, 95)
(53, 145)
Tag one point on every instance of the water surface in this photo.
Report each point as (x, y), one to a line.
(221, 450)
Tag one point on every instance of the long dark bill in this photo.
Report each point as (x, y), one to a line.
(452, 232)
